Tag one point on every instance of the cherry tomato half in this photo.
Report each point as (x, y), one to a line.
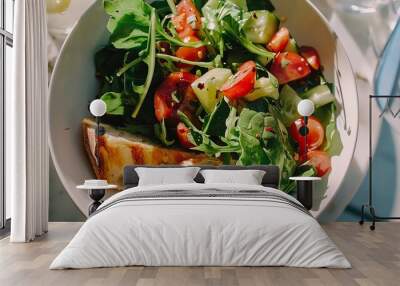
(240, 83)
(315, 136)
(182, 132)
(320, 160)
(187, 22)
(312, 57)
(289, 66)
(190, 54)
(174, 94)
(279, 41)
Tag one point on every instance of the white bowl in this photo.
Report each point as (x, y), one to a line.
(74, 85)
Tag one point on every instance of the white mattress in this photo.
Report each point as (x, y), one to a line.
(200, 231)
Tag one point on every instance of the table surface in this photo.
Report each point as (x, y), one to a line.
(108, 187)
(305, 178)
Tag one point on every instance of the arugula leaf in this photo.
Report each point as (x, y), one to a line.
(224, 21)
(203, 141)
(150, 61)
(160, 130)
(257, 137)
(232, 20)
(327, 116)
(212, 29)
(232, 131)
(199, 3)
(278, 148)
(108, 60)
(251, 126)
(133, 27)
(161, 6)
(209, 65)
(260, 105)
(114, 103)
(215, 125)
(130, 32)
(172, 7)
(117, 9)
(242, 4)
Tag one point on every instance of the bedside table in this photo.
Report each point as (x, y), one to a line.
(305, 190)
(96, 190)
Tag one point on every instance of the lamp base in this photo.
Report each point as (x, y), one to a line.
(96, 195)
(305, 193)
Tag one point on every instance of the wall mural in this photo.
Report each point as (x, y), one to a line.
(210, 86)
(233, 104)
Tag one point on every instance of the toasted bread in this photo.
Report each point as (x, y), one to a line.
(118, 149)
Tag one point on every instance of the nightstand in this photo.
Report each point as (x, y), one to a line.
(96, 190)
(305, 190)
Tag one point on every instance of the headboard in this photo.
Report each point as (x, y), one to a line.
(271, 178)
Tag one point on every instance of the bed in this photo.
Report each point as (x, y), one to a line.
(198, 224)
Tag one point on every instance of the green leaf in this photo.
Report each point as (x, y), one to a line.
(119, 8)
(203, 141)
(251, 126)
(130, 32)
(278, 148)
(231, 19)
(232, 131)
(215, 125)
(199, 4)
(160, 130)
(241, 3)
(209, 65)
(150, 61)
(212, 29)
(161, 6)
(108, 60)
(327, 115)
(252, 152)
(114, 103)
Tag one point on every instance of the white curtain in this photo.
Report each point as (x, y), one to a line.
(26, 118)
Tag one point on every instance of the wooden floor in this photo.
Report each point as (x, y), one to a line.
(375, 257)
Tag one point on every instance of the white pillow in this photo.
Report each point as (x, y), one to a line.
(247, 177)
(164, 176)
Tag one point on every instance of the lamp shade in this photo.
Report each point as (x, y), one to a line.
(305, 107)
(98, 108)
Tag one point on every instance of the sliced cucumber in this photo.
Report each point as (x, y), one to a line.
(292, 46)
(206, 87)
(264, 87)
(320, 95)
(260, 26)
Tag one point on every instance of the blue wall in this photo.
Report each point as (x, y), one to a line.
(385, 182)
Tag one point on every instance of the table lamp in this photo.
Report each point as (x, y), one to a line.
(305, 184)
(305, 108)
(98, 108)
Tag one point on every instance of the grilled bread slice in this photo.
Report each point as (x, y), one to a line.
(118, 149)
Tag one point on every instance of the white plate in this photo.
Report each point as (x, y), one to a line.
(74, 85)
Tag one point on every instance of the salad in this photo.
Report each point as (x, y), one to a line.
(220, 77)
